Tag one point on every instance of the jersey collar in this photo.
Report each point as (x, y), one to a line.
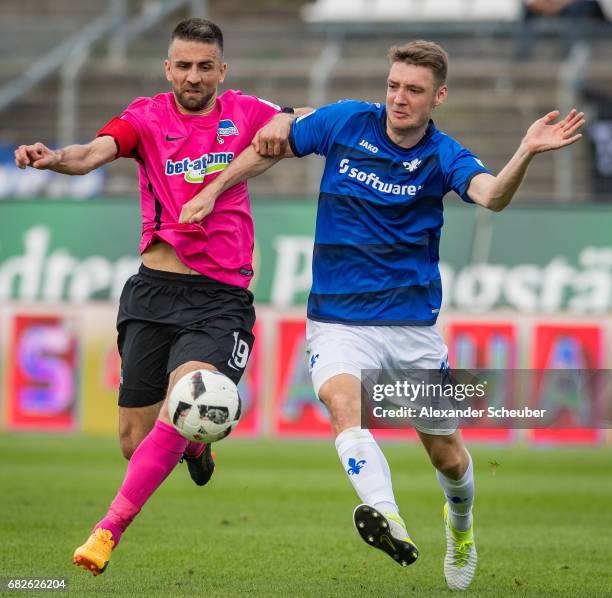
(210, 119)
(382, 125)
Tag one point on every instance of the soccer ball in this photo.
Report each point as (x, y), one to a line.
(204, 406)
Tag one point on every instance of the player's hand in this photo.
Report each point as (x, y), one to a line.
(37, 156)
(198, 207)
(543, 135)
(271, 140)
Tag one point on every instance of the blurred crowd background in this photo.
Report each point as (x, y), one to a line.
(67, 66)
(528, 288)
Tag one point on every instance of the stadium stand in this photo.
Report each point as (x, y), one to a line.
(367, 11)
(493, 96)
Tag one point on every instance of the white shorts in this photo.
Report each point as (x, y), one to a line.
(334, 349)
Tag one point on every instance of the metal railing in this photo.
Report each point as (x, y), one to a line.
(125, 32)
(77, 55)
(47, 65)
(70, 56)
(151, 15)
(568, 90)
(319, 77)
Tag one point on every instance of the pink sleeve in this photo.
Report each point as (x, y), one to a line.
(136, 113)
(261, 112)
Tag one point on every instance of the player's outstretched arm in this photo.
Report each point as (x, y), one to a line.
(271, 140)
(73, 159)
(496, 192)
(247, 165)
(269, 145)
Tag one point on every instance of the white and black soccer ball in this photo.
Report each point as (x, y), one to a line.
(204, 406)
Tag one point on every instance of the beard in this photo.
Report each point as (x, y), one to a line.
(193, 103)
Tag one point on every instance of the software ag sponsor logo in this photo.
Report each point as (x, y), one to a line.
(195, 171)
(372, 180)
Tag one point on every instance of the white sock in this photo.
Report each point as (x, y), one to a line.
(367, 468)
(460, 497)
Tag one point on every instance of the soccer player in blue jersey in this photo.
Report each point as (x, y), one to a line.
(376, 289)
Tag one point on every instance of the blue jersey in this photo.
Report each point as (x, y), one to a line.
(380, 215)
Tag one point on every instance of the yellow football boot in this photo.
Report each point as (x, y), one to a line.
(95, 553)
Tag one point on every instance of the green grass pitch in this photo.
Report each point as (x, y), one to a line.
(276, 521)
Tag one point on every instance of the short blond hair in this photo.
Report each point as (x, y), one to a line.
(423, 53)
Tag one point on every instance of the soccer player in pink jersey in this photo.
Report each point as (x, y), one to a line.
(188, 307)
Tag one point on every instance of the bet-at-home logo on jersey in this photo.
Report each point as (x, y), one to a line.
(195, 171)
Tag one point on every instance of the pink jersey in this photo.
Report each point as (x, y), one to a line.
(177, 155)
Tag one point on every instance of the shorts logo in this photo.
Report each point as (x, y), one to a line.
(313, 360)
(195, 171)
(355, 466)
(226, 128)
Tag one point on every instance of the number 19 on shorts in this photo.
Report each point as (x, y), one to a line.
(240, 353)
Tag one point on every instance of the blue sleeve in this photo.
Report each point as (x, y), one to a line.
(460, 166)
(315, 132)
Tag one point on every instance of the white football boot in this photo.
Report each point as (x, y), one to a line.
(460, 559)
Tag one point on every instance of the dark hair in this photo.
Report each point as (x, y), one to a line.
(423, 53)
(198, 30)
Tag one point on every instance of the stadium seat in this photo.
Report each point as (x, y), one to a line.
(411, 10)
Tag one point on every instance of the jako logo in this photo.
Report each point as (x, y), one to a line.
(226, 128)
(412, 165)
(368, 146)
(355, 466)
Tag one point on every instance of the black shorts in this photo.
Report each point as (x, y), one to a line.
(167, 319)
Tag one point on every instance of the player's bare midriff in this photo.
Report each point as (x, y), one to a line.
(161, 256)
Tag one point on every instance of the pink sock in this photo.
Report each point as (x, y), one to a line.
(195, 449)
(151, 463)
